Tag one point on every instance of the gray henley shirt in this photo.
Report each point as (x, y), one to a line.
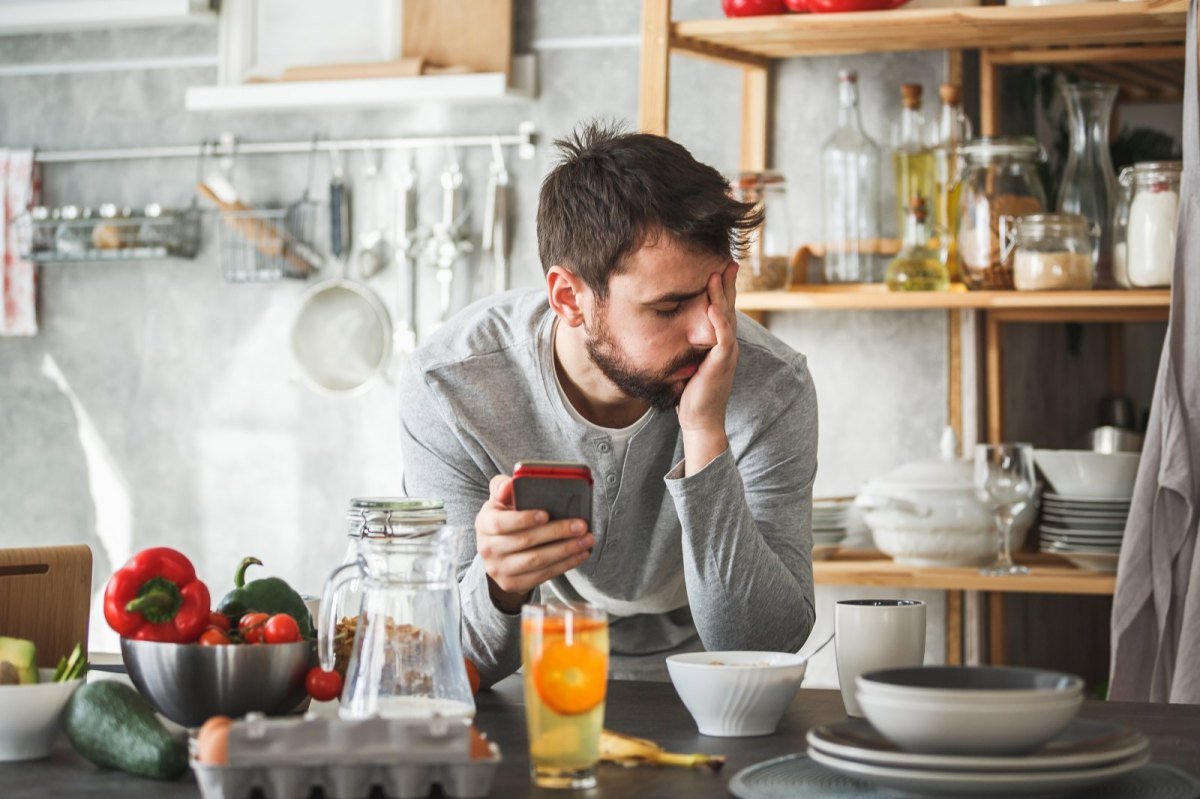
(716, 560)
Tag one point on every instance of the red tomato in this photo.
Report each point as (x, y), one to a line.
(213, 636)
(472, 676)
(251, 627)
(839, 6)
(799, 6)
(281, 629)
(219, 620)
(322, 685)
(752, 8)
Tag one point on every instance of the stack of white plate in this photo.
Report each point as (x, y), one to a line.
(830, 519)
(1085, 753)
(1085, 531)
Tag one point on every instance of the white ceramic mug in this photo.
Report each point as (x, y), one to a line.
(876, 634)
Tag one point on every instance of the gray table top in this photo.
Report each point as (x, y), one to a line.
(649, 710)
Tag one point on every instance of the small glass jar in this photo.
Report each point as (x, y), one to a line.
(766, 264)
(1053, 252)
(1145, 224)
(391, 517)
(999, 179)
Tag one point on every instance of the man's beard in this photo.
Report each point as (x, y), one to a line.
(660, 390)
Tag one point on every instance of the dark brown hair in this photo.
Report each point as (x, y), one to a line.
(613, 192)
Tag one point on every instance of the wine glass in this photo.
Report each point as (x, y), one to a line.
(1004, 482)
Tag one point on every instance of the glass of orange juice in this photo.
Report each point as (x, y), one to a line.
(564, 659)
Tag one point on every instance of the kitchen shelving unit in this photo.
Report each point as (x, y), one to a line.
(1139, 45)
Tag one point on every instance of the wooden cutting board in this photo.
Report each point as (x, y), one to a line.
(45, 596)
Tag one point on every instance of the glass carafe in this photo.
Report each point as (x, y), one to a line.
(850, 182)
(403, 649)
(1089, 185)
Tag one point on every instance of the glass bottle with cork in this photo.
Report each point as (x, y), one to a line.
(917, 267)
(912, 159)
(850, 185)
(952, 130)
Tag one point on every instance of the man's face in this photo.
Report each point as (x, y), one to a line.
(652, 331)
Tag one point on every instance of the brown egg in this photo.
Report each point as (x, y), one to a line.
(213, 741)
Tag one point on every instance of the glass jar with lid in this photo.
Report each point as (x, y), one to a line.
(999, 182)
(390, 517)
(1145, 224)
(765, 265)
(371, 519)
(1052, 251)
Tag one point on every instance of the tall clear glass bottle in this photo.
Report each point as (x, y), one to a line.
(952, 130)
(1089, 183)
(912, 160)
(917, 267)
(850, 185)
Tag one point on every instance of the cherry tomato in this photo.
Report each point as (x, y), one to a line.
(281, 629)
(799, 6)
(752, 8)
(219, 620)
(322, 685)
(251, 627)
(472, 676)
(213, 636)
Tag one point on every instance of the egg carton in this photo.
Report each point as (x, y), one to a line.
(347, 759)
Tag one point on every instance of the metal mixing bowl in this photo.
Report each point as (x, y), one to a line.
(189, 683)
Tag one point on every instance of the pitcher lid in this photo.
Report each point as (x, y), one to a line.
(393, 516)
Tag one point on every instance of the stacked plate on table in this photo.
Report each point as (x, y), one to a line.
(830, 520)
(1084, 530)
(1085, 753)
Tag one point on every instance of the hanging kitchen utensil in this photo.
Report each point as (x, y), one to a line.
(405, 250)
(448, 241)
(374, 209)
(342, 334)
(339, 208)
(495, 226)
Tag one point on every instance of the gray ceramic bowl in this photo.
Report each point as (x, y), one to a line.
(189, 683)
(986, 710)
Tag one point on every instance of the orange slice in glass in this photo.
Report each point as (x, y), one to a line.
(570, 678)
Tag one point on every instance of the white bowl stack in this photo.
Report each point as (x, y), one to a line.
(830, 521)
(1084, 517)
(975, 731)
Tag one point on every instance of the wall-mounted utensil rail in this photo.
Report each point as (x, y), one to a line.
(523, 140)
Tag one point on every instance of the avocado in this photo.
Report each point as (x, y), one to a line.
(111, 725)
(18, 661)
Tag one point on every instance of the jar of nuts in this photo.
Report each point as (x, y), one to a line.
(999, 181)
(765, 264)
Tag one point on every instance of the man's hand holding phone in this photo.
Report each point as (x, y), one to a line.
(523, 546)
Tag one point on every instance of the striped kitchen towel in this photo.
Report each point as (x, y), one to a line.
(18, 291)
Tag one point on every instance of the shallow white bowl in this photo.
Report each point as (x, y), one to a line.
(31, 716)
(736, 694)
(1093, 475)
(969, 711)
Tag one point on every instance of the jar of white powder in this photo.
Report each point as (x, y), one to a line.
(1053, 252)
(1147, 248)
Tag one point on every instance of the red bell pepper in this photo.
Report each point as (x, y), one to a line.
(156, 597)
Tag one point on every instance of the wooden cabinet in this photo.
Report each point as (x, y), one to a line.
(1137, 44)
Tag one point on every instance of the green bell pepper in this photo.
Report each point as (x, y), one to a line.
(268, 595)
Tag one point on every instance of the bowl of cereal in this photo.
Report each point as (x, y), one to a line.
(736, 693)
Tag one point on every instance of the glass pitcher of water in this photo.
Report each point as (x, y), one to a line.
(405, 647)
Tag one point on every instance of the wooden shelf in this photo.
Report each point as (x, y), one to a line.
(1073, 25)
(43, 16)
(876, 297)
(1050, 575)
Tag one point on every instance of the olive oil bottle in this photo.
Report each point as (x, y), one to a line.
(912, 158)
(953, 129)
(917, 267)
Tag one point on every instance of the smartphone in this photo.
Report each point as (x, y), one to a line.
(564, 490)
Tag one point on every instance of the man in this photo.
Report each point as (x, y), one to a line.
(700, 427)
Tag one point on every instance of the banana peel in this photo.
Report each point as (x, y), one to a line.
(628, 751)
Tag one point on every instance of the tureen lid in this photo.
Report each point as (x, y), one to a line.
(944, 472)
